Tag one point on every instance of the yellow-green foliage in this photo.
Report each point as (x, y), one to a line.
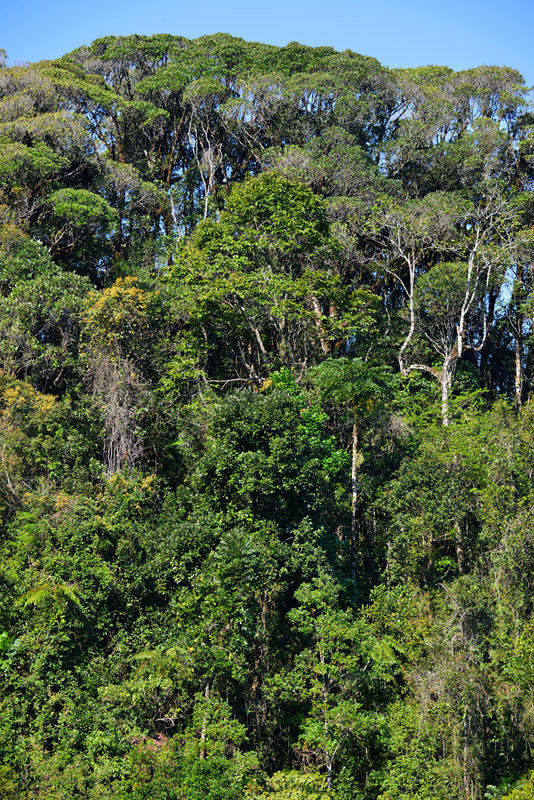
(292, 785)
(523, 790)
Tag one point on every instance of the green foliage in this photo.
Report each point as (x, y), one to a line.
(523, 790)
(244, 552)
(293, 785)
(8, 785)
(22, 259)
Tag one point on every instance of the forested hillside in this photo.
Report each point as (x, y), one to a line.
(266, 426)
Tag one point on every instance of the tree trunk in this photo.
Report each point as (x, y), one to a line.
(323, 339)
(328, 771)
(203, 732)
(518, 378)
(354, 499)
(446, 382)
(517, 328)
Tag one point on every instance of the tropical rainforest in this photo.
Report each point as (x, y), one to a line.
(266, 426)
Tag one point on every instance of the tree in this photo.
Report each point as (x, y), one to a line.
(481, 233)
(121, 330)
(351, 382)
(324, 675)
(261, 272)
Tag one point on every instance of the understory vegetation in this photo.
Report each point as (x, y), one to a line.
(266, 426)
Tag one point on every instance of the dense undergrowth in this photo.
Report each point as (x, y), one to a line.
(266, 429)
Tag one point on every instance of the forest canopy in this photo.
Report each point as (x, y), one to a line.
(266, 426)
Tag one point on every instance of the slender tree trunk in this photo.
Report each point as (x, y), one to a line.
(203, 732)
(518, 378)
(405, 371)
(323, 339)
(354, 498)
(328, 770)
(517, 329)
(446, 382)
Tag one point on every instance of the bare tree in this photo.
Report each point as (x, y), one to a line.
(117, 388)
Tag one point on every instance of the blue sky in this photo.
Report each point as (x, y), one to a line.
(458, 33)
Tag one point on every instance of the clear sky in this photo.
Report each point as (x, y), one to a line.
(458, 33)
